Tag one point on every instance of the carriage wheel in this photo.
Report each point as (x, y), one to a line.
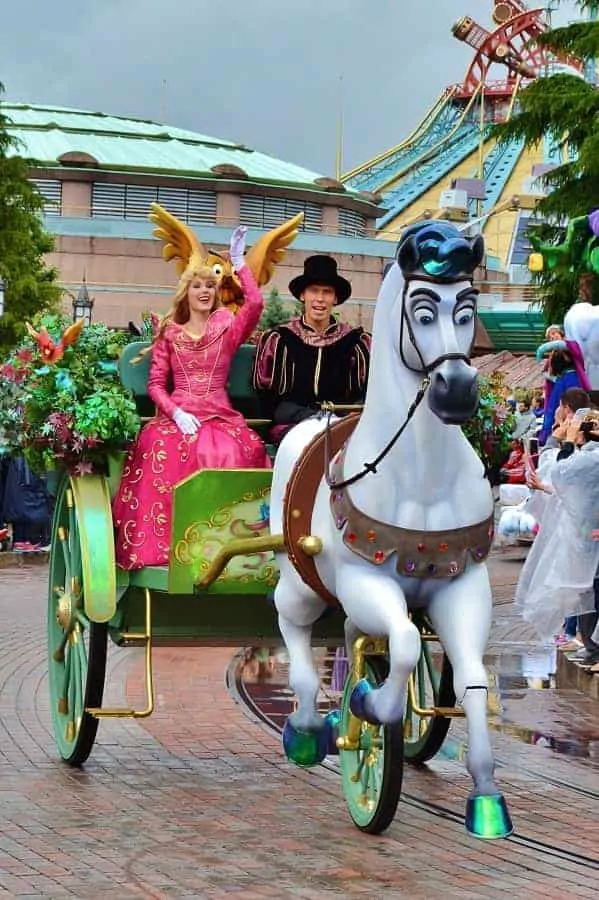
(424, 735)
(372, 774)
(77, 647)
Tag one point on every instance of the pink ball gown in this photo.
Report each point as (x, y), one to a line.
(198, 368)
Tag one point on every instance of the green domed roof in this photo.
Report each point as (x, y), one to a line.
(47, 133)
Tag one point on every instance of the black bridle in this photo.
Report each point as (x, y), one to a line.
(425, 370)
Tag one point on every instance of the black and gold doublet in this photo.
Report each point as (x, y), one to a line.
(298, 368)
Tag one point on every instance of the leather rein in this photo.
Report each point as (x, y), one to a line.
(425, 369)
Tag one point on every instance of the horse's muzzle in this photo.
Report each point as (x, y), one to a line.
(453, 392)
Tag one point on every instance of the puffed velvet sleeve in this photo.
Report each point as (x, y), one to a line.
(263, 376)
(158, 379)
(249, 314)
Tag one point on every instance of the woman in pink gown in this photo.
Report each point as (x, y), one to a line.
(195, 426)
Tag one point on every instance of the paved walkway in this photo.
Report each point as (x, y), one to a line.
(198, 801)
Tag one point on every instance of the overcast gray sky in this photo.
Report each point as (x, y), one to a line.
(268, 73)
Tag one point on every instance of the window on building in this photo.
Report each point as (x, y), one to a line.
(51, 191)
(351, 223)
(132, 201)
(268, 212)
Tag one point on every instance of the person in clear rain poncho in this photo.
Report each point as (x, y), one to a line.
(557, 578)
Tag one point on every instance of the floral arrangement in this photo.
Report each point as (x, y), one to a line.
(490, 429)
(61, 400)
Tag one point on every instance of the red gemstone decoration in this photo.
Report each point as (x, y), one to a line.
(371, 535)
(379, 556)
(443, 547)
(421, 548)
(351, 537)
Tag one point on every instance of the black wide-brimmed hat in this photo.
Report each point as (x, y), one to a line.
(320, 270)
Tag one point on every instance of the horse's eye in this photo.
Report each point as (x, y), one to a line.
(424, 315)
(217, 269)
(464, 316)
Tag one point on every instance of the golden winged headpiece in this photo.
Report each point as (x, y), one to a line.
(182, 245)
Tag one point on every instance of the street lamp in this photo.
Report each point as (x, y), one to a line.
(83, 305)
(2, 287)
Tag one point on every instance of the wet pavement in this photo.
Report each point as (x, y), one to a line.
(198, 801)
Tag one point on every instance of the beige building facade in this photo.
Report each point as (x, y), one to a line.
(99, 174)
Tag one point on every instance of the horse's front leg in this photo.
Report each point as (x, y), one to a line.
(376, 605)
(306, 737)
(461, 612)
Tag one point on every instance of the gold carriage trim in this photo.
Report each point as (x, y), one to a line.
(420, 554)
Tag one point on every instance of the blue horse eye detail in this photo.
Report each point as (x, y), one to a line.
(464, 316)
(424, 315)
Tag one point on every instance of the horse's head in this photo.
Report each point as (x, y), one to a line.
(438, 314)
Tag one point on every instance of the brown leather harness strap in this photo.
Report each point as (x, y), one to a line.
(298, 504)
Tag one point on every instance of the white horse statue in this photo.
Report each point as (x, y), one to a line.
(581, 324)
(405, 512)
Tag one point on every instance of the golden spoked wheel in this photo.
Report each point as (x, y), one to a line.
(431, 686)
(77, 646)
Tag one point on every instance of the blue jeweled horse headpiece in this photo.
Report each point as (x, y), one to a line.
(438, 251)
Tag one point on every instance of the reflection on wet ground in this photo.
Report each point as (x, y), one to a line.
(524, 701)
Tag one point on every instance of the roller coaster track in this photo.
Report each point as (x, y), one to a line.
(498, 167)
(440, 161)
(370, 175)
(425, 174)
(423, 164)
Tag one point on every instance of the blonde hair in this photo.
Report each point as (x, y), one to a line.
(179, 311)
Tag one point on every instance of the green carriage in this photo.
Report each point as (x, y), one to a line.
(217, 589)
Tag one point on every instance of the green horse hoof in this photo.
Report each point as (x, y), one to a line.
(487, 817)
(305, 748)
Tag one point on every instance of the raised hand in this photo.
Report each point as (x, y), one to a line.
(186, 422)
(237, 246)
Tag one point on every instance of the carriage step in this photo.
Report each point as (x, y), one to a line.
(130, 637)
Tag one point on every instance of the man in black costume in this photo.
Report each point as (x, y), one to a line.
(313, 358)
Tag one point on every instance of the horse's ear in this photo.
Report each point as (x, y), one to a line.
(408, 255)
(478, 251)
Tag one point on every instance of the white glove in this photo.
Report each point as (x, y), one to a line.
(186, 422)
(237, 247)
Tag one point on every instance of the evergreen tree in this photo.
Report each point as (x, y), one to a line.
(563, 109)
(30, 285)
(275, 312)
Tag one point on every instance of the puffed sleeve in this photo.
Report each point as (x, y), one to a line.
(158, 379)
(547, 347)
(264, 362)
(249, 314)
(359, 365)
